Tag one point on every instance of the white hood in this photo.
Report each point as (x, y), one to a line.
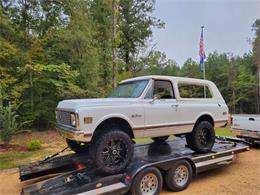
(79, 103)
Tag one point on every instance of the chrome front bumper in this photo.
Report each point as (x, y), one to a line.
(73, 134)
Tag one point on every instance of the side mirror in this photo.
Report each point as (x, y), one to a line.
(156, 97)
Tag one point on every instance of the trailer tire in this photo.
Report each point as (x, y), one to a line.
(113, 151)
(160, 139)
(78, 147)
(179, 176)
(202, 138)
(148, 181)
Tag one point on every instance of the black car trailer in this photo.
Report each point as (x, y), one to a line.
(172, 162)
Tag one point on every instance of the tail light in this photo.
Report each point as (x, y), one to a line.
(80, 166)
(128, 179)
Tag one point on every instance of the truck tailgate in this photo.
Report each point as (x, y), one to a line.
(246, 122)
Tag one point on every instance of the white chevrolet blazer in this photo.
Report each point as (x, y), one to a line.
(148, 106)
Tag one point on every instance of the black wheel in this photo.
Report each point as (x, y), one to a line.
(148, 181)
(179, 176)
(78, 147)
(113, 151)
(202, 138)
(160, 139)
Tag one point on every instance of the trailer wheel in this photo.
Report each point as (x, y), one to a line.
(78, 147)
(113, 151)
(148, 181)
(179, 176)
(160, 139)
(202, 138)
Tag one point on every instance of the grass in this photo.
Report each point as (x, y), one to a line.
(15, 159)
(53, 143)
(224, 132)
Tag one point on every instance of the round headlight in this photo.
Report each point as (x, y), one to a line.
(73, 119)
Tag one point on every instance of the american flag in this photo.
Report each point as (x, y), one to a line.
(201, 51)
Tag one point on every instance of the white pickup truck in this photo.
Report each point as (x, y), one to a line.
(246, 126)
(148, 106)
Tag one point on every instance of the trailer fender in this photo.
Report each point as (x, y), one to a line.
(165, 166)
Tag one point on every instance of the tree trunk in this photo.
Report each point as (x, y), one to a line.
(127, 65)
(114, 43)
(31, 85)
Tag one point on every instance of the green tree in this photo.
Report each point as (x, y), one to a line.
(43, 86)
(101, 11)
(135, 28)
(191, 69)
(8, 123)
(157, 63)
(256, 55)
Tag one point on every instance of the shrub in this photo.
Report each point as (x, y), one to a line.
(8, 123)
(34, 145)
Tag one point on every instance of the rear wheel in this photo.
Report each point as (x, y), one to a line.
(179, 176)
(160, 139)
(113, 151)
(77, 146)
(202, 138)
(148, 181)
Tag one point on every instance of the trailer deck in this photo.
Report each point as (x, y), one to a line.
(77, 173)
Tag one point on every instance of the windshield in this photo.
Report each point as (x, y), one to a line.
(132, 89)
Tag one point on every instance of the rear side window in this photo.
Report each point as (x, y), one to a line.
(190, 90)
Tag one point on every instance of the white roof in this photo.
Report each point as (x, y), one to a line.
(173, 78)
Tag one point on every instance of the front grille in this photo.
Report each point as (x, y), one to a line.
(63, 117)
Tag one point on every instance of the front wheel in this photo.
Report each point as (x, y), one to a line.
(113, 151)
(202, 138)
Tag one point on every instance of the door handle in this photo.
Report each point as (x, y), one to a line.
(174, 105)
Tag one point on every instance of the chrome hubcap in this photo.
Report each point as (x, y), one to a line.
(181, 175)
(149, 184)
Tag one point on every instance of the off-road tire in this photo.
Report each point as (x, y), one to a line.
(123, 148)
(160, 139)
(202, 138)
(78, 147)
(138, 186)
(179, 176)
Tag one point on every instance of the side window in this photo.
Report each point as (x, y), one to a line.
(190, 90)
(163, 89)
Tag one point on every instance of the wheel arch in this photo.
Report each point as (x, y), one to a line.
(114, 122)
(205, 117)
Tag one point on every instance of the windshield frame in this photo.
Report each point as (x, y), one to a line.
(130, 81)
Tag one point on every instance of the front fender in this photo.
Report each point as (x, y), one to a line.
(114, 115)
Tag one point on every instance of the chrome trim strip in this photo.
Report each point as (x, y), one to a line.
(66, 127)
(161, 131)
(162, 126)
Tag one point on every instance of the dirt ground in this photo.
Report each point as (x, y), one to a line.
(241, 177)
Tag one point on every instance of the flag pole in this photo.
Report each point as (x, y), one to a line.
(204, 70)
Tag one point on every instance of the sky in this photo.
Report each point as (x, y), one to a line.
(227, 26)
